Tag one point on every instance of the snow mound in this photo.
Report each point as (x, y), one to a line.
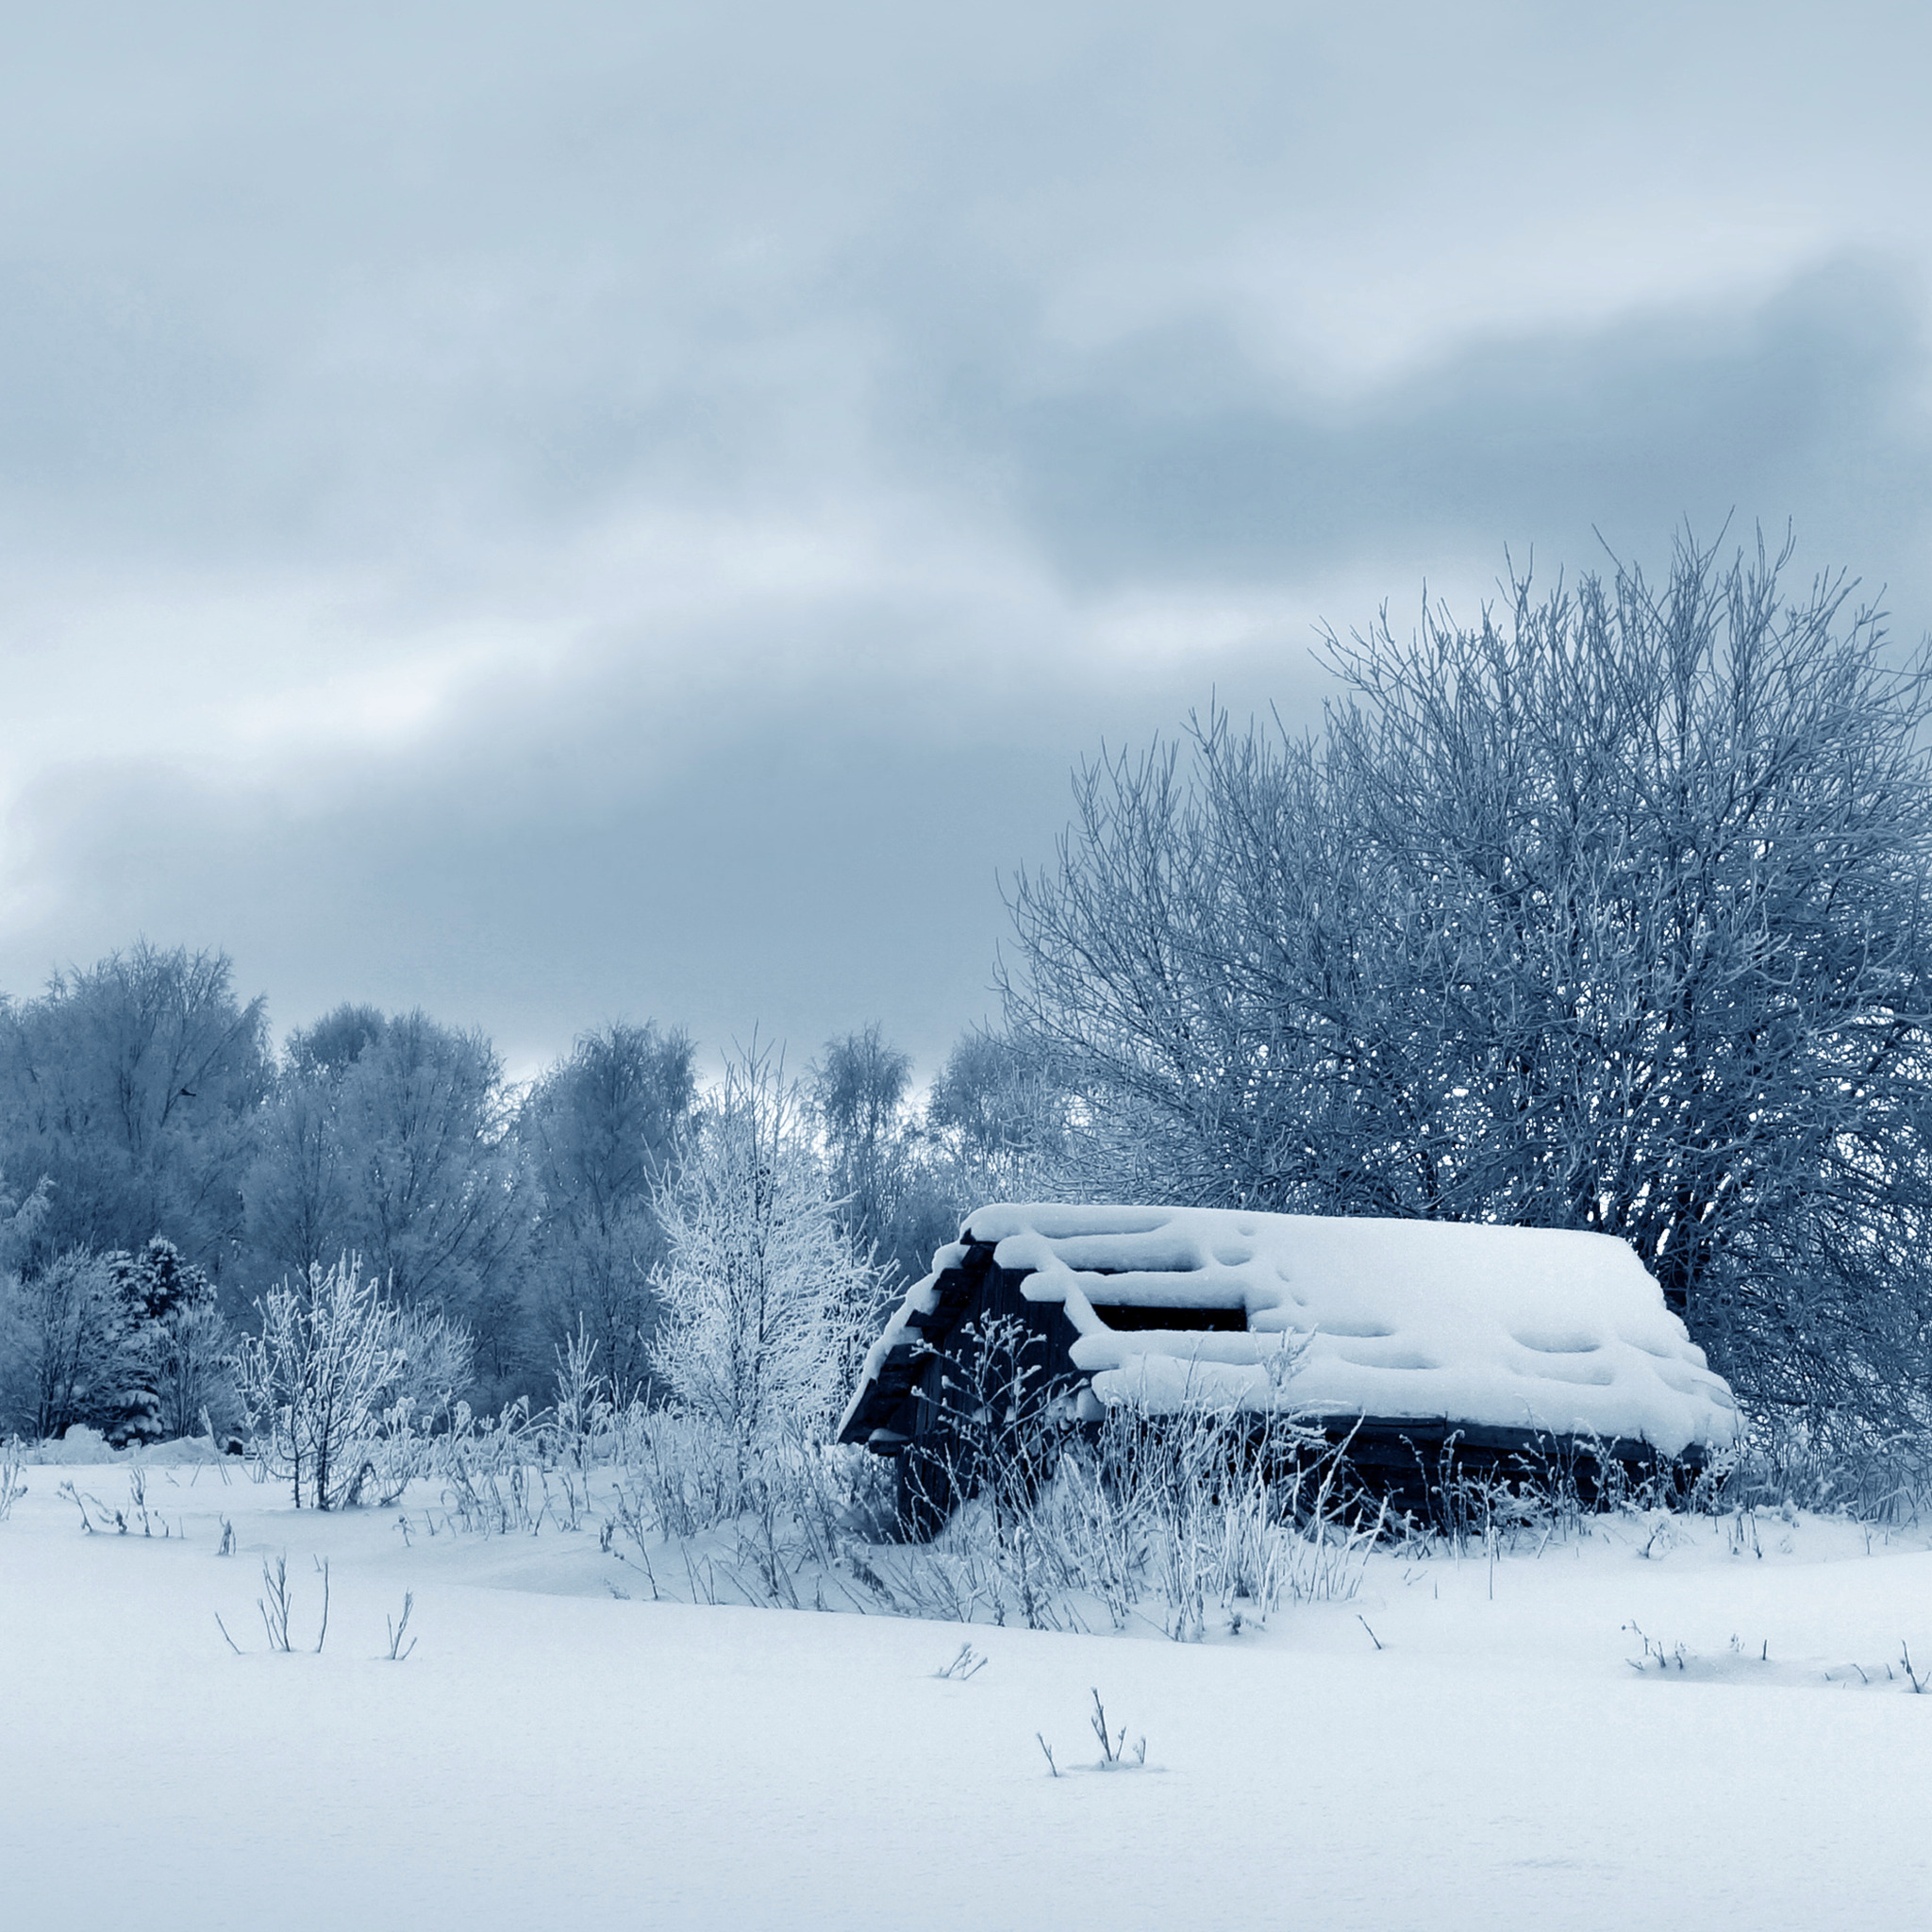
(1510, 1327)
(83, 1446)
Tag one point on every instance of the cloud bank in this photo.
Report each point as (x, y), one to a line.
(584, 513)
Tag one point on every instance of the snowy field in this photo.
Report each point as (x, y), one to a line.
(1465, 1742)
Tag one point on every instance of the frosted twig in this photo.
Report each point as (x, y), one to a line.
(322, 1635)
(397, 1651)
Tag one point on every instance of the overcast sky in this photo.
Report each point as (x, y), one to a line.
(568, 512)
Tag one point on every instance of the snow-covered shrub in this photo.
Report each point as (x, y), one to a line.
(1879, 1475)
(579, 1426)
(1203, 1513)
(315, 1379)
(438, 1365)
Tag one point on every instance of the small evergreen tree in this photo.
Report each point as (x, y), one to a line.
(168, 1340)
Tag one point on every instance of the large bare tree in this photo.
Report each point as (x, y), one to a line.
(1610, 911)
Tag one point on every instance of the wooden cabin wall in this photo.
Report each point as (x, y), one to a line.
(934, 1467)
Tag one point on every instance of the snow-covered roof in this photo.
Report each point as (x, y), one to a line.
(1510, 1327)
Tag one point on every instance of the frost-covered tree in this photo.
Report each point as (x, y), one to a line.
(858, 1092)
(998, 1121)
(1612, 911)
(765, 1297)
(327, 1357)
(20, 1221)
(297, 1189)
(132, 1086)
(61, 1345)
(392, 1137)
(600, 1129)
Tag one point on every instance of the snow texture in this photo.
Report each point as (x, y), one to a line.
(1468, 1742)
(1507, 1327)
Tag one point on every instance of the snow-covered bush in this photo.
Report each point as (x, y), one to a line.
(316, 1378)
(438, 1356)
(579, 1426)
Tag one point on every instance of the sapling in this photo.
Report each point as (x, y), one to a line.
(966, 1664)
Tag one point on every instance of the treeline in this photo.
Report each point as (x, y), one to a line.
(163, 1164)
(1610, 912)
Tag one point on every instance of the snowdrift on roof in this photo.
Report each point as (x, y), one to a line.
(1510, 1327)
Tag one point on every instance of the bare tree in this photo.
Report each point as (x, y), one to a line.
(1608, 913)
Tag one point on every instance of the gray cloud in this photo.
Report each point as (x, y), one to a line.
(624, 510)
(1177, 458)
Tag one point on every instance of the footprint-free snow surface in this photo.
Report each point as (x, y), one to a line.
(1686, 1723)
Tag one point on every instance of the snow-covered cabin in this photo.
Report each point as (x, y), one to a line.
(1417, 1337)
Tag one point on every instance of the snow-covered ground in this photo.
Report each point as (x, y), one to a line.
(1464, 1744)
